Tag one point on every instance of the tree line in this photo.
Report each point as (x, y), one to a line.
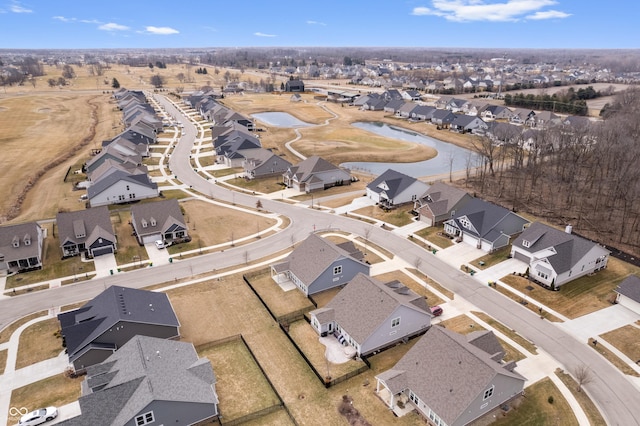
(568, 101)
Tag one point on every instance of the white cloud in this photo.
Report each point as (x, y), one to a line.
(113, 27)
(259, 34)
(161, 30)
(316, 23)
(489, 10)
(18, 8)
(549, 14)
(63, 19)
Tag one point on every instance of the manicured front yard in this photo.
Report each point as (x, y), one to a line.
(589, 408)
(626, 339)
(494, 258)
(399, 216)
(38, 343)
(435, 235)
(579, 297)
(613, 359)
(265, 185)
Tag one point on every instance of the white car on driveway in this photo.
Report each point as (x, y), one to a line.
(39, 416)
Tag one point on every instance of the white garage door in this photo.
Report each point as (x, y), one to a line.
(151, 238)
(473, 241)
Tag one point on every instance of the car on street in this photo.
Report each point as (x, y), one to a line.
(39, 416)
(436, 310)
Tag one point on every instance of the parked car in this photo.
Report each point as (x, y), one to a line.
(160, 244)
(39, 416)
(436, 310)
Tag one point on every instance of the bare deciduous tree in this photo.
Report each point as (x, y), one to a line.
(583, 375)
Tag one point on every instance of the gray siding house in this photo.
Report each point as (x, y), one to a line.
(393, 188)
(160, 220)
(314, 174)
(149, 381)
(556, 257)
(370, 315)
(318, 264)
(264, 163)
(628, 293)
(86, 231)
(439, 203)
(451, 379)
(21, 247)
(108, 321)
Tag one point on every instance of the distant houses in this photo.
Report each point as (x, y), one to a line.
(315, 174)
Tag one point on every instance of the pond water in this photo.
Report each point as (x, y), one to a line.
(449, 157)
(279, 119)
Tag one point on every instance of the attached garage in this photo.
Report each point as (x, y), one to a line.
(102, 250)
(148, 239)
(521, 256)
(473, 241)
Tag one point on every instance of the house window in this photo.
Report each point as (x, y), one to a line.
(488, 393)
(145, 418)
(337, 270)
(465, 222)
(143, 223)
(395, 322)
(127, 187)
(542, 275)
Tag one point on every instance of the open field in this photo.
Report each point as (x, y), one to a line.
(38, 343)
(581, 296)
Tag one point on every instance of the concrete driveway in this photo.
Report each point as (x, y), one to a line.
(459, 254)
(104, 264)
(496, 272)
(599, 322)
(157, 256)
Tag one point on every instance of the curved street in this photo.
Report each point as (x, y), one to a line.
(615, 395)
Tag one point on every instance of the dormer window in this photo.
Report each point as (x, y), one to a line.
(526, 243)
(143, 222)
(15, 242)
(27, 240)
(153, 221)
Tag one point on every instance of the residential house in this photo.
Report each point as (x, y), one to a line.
(557, 257)
(393, 188)
(451, 379)
(484, 225)
(443, 118)
(495, 112)
(502, 133)
(104, 324)
(406, 110)
(545, 119)
(468, 124)
(234, 147)
(264, 163)
(422, 113)
(314, 174)
(392, 107)
(439, 203)
(411, 95)
(318, 264)
(370, 315)
(110, 153)
(160, 220)
(86, 231)
(628, 293)
(294, 85)
(21, 247)
(121, 187)
(148, 381)
(522, 116)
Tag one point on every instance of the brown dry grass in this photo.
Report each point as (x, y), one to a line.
(128, 248)
(508, 332)
(448, 293)
(279, 302)
(419, 289)
(236, 372)
(3, 360)
(38, 343)
(461, 324)
(435, 235)
(582, 296)
(54, 391)
(5, 333)
(277, 418)
(532, 307)
(42, 129)
(399, 216)
(626, 339)
(613, 359)
(589, 408)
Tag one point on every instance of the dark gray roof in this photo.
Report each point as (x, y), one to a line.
(630, 287)
(144, 370)
(441, 198)
(72, 225)
(115, 304)
(569, 248)
(312, 257)
(111, 179)
(489, 220)
(365, 303)
(396, 183)
(446, 372)
(25, 236)
(306, 169)
(159, 216)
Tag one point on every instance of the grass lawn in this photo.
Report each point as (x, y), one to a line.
(3, 360)
(53, 265)
(448, 293)
(535, 409)
(582, 296)
(38, 343)
(236, 372)
(461, 324)
(339, 202)
(418, 288)
(277, 418)
(399, 217)
(613, 359)
(280, 302)
(492, 258)
(129, 250)
(435, 235)
(508, 332)
(334, 190)
(265, 185)
(325, 297)
(589, 408)
(626, 339)
(530, 306)
(54, 391)
(5, 333)
(307, 339)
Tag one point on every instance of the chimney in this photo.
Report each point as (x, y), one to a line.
(568, 229)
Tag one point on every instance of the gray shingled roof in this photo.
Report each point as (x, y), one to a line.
(489, 220)
(569, 248)
(446, 371)
(68, 222)
(166, 213)
(306, 168)
(19, 233)
(115, 304)
(143, 370)
(441, 198)
(396, 182)
(630, 287)
(365, 303)
(111, 179)
(312, 257)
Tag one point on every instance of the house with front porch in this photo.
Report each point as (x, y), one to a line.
(86, 231)
(21, 247)
(439, 203)
(370, 315)
(264, 163)
(484, 225)
(159, 220)
(557, 257)
(318, 264)
(392, 189)
(451, 379)
(314, 174)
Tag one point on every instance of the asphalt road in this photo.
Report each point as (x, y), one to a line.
(617, 398)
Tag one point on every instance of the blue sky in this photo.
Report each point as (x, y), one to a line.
(68, 24)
